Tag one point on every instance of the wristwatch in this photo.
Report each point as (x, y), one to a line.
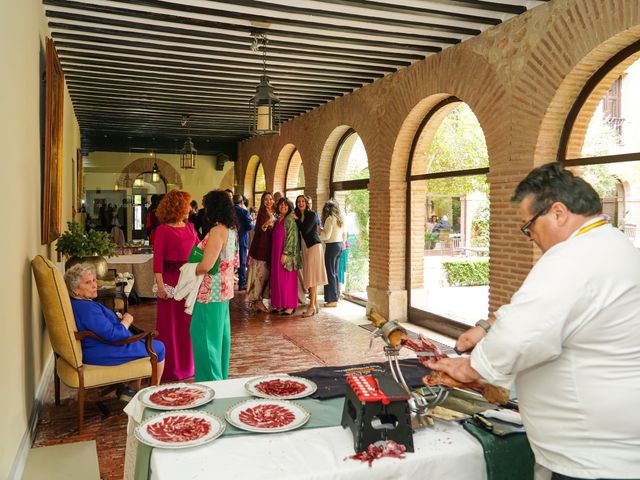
(486, 326)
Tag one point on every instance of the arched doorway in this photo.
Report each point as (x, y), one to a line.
(600, 140)
(349, 186)
(448, 220)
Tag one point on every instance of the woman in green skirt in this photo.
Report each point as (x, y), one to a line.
(210, 325)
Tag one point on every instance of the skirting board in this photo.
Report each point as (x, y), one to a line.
(17, 468)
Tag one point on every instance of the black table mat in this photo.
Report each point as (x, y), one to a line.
(331, 380)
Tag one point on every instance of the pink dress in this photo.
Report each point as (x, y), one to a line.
(171, 249)
(284, 283)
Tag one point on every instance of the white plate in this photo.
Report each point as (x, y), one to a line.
(236, 414)
(252, 386)
(201, 394)
(180, 418)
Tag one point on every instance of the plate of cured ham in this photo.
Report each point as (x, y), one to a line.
(280, 387)
(176, 396)
(267, 415)
(180, 429)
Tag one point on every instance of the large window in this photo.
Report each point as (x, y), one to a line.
(600, 140)
(349, 183)
(448, 221)
(294, 179)
(259, 185)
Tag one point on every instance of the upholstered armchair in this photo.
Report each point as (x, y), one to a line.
(65, 341)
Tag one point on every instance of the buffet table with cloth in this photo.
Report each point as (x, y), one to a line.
(445, 451)
(141, 266)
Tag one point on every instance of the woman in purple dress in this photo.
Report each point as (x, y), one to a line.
(285, 260)
(174, 239)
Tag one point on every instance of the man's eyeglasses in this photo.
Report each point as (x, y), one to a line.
(526, 228)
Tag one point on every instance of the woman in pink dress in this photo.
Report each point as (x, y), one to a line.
(174, 239)
(285, 260)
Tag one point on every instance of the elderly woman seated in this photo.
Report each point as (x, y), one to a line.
(83, 288)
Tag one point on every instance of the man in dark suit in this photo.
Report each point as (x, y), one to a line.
(245, 225)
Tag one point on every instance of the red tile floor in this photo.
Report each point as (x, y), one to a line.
(260, 344)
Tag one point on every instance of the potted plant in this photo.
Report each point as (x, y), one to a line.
(86, 247)
(430, 240)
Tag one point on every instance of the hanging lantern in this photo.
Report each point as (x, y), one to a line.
(155, 173)
(188, 153)
(138, 182)
(265, 104)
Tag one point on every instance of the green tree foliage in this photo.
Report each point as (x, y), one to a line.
(357, 201)
(480, 228)
(458, 144)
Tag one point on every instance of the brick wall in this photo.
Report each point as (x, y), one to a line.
(520, 79)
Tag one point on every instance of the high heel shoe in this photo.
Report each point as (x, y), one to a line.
(308, 313)
(316, 308)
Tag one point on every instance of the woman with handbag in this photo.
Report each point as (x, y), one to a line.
(174, 239)
(210, 324)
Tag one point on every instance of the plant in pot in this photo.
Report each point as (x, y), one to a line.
(430, 240)
(86, 247)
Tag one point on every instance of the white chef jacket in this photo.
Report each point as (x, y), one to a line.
(569, 340)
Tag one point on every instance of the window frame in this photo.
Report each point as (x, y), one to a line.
(426, 319)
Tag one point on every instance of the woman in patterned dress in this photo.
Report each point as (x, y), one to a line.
(210, 323)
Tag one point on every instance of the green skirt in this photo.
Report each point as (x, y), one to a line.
(211, 340)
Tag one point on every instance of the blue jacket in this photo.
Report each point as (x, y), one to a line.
(245, 225)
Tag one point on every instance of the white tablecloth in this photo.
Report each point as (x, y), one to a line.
(135, 258)
(445, 452)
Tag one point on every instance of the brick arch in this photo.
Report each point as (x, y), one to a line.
(145, 165)
(600, 39)
(324, 167)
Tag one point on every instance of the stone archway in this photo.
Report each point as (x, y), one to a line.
(145, 165)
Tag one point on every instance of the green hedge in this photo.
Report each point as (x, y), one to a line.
(465, 273)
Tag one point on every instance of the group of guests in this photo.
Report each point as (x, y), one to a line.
(287, 260)
(195, 344)
(286, 255)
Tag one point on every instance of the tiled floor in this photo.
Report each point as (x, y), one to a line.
(260, 343)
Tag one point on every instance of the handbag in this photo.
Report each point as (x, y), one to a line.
(196, 257)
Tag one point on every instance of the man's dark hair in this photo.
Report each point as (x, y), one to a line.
(218, 209)
(194, 204)
(228, 190)
(551, 183)
(237, 199)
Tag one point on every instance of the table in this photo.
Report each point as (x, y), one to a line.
(141, 266)
(443, 452)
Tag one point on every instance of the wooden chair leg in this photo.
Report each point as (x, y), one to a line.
(56, 386)
(80, 409)
(80, 399)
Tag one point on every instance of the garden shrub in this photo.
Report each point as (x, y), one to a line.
(467, 272)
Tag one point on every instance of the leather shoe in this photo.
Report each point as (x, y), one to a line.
(330, 304)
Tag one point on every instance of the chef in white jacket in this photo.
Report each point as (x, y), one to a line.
(568, 339)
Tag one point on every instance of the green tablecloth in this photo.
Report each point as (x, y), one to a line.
(507, 457)
(323, 413)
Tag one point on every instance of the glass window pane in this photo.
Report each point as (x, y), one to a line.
(618, 185)
(450, 258)
(261, 181)
(354, 262)
(614, 123)
(351, 161)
